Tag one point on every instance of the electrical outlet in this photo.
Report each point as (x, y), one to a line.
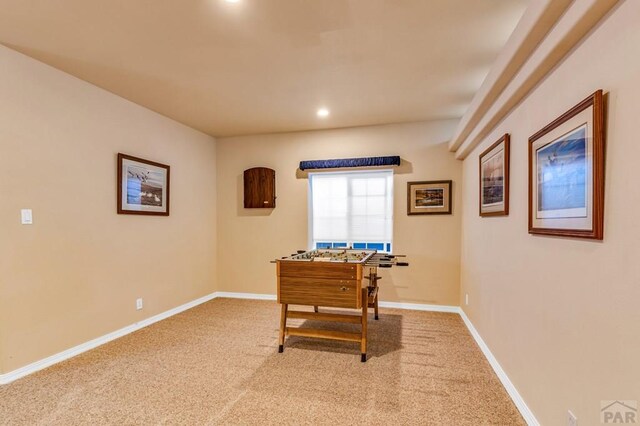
(138, 304)
(572, 420)
(466, 299)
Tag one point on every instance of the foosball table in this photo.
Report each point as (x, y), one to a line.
(330, 278)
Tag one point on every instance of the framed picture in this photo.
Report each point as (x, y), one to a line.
(430, 197)
(143, 186)
(566, 173)
(494, 179)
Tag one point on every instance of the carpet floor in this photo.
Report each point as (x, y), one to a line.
(218, 364)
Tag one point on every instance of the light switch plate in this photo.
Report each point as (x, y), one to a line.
(26, 216)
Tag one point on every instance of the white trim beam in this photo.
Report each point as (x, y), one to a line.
(567, 31)
(537, 21)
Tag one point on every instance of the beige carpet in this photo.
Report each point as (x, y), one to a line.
(217, 364)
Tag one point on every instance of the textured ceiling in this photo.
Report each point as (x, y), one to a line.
(262, 66)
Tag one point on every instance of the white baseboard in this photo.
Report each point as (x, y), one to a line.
(253, 296)
(77, 350)
(526, 413)
(420, 307)
(84, 347)
(395, 305)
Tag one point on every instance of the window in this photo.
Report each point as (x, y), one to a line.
(351, 209)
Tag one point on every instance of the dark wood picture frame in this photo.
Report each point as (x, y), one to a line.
(595, 179)
(122, 208)
(504, 211)
(447, 197)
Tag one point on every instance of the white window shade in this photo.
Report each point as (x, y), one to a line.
(351, 208)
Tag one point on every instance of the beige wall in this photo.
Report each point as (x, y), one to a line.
(75, 274)
(562, 316)
(250, 238)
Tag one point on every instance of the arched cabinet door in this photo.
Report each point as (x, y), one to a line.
(259, 188)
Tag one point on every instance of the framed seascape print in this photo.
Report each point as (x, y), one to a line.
(143, 186)
(494, 179)
(566, 173)
(429, 197)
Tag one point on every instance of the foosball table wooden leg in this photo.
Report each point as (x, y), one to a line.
(283, 325)
(375, 308)
(373, 286)
(363, 340)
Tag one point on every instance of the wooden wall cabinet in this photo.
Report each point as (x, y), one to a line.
(259, 188)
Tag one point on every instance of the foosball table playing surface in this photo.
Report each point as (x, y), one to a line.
(330, 278)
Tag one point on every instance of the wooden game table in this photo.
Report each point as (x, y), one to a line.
(330, 278)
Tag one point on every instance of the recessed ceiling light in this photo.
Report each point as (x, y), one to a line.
(322, 112)
(232, 1)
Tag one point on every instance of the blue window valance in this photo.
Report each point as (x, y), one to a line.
(393, 160)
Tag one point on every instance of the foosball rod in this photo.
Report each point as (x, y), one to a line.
(385, 264)
(387, 256)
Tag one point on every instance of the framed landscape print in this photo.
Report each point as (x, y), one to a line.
(566, 173)
(430, 197)
(143, 186)
(494, 179)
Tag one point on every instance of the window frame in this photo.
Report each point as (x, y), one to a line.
(310, 240)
